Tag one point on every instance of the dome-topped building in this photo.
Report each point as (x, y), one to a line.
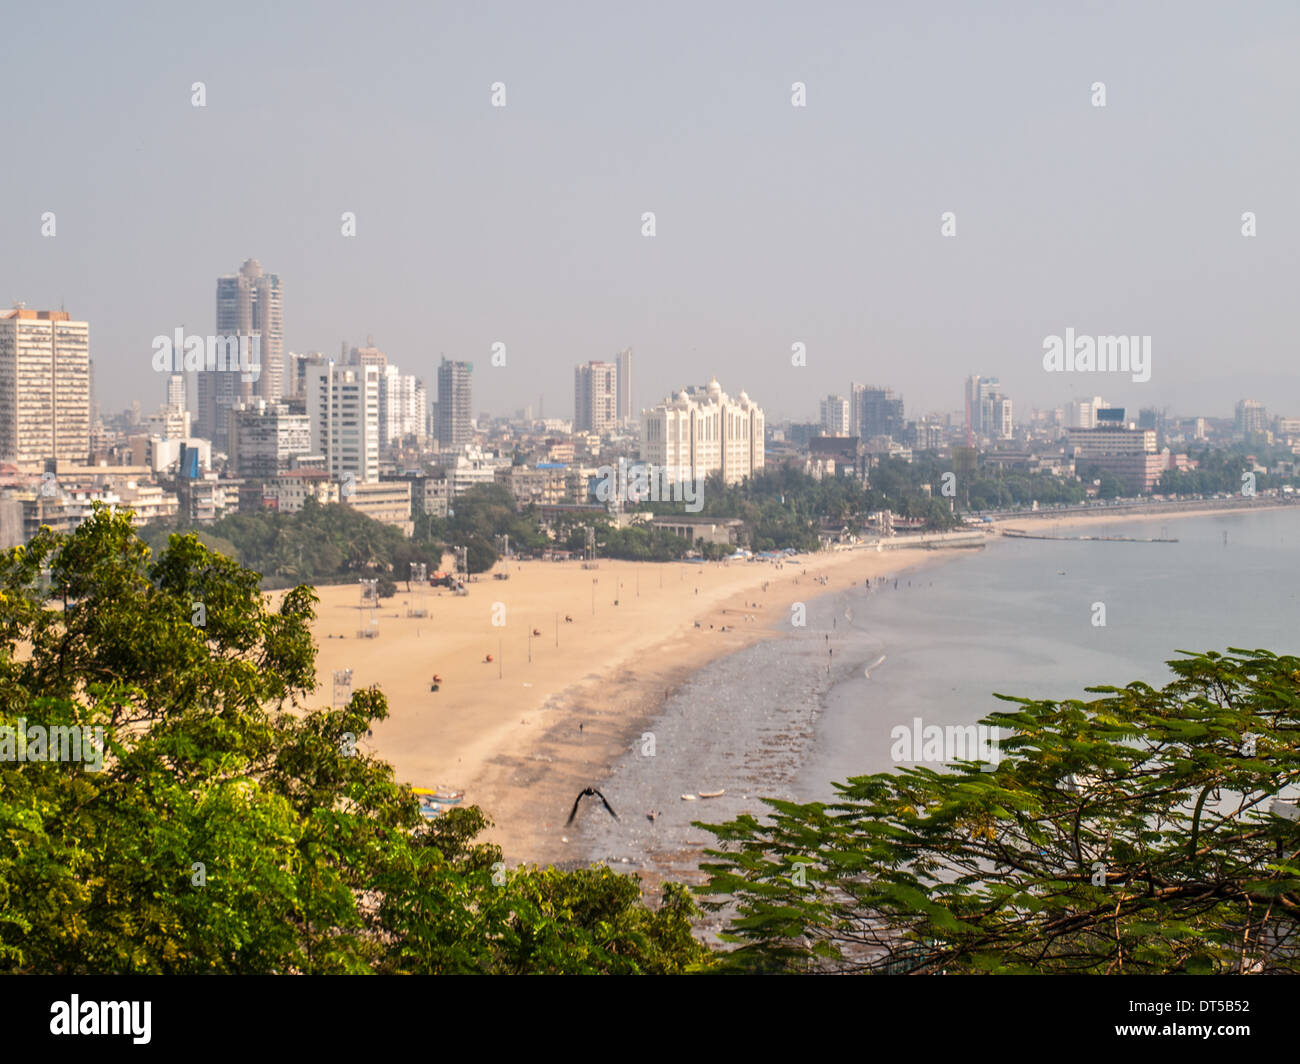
(702, 430)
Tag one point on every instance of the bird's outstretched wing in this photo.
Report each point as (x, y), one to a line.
(575, 807)
(607, 805)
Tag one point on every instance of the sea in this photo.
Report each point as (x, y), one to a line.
(786, 717)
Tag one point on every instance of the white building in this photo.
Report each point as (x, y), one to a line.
(470, 467)
(835, 415)
(1082, 413)
(44, 386)
(701, 431)
(343, 411)
(595, 397)
(264, 437)
(402, 406)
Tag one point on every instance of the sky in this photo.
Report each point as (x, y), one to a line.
(774, 224)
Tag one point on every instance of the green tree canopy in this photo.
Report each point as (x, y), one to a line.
(234, 826)
(1133, 833)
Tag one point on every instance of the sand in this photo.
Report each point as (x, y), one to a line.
(508, 732)
(552, 712)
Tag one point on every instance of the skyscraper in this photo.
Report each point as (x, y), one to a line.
(249, 303)
(44, 386)
(988, 410)
(625, 410)
(595, 397)
(455, 425)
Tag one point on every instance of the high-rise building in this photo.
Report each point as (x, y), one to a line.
(981, 419)
(176, 392)
(879, 413)
(999, 424)
(44, 386)
(249, 304)
(625, 411)
(401, 405)
(701, 431)
(343, 412)
(455, 426)
(595, 397)
(835, 415)
(1251, 418)
(295, 372)
(265, 436)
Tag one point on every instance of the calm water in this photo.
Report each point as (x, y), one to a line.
(785, 718)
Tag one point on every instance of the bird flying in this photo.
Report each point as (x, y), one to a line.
(585, 792)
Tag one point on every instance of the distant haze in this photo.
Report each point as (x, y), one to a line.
(775, 224)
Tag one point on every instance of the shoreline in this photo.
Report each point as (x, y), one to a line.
(1145, 511)
(521, 738)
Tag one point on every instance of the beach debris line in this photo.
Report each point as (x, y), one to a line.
(587, 791)
(874, 665)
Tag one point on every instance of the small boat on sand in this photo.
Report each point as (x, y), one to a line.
(712, 794)
(688, 797)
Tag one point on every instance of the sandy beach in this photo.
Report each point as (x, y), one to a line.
(562, 698)
(582, 661)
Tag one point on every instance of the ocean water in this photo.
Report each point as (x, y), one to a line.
(786, 717)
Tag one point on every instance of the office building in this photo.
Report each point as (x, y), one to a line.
(1119, 448)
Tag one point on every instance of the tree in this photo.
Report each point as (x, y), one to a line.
(1133, 833)
(232, 826)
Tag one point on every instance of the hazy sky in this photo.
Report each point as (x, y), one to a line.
(775, 224)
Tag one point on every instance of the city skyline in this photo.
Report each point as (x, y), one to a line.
(1126, 218)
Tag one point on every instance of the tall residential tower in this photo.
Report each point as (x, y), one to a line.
(44, 386)
(455, 423)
